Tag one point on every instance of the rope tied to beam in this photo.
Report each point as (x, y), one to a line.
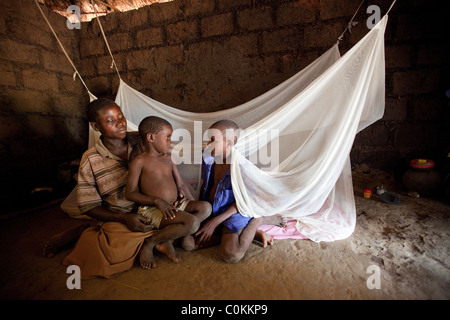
(76, 73)
(351, 24)
(113, 63)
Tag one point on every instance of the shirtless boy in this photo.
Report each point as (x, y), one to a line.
(155, 183)
(238, 231)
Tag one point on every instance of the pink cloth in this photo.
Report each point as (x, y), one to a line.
(288, 232)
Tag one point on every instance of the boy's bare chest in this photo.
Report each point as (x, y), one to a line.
(219, 172)
(158, 167)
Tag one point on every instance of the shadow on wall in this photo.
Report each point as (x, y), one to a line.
(39, 157)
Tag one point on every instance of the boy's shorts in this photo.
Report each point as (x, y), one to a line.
(155, 215)
(236, 222)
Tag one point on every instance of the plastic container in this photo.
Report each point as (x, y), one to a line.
(367, 193)
(422, 177)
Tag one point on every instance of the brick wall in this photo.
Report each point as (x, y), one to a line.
(42, 123)
(207, 55)
(417, 120)
(211, 54)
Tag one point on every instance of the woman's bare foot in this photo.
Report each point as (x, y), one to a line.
(168, 249)
(146, 255)
(264, 238)
(63, 239)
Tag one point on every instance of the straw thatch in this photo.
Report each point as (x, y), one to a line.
(103, 6)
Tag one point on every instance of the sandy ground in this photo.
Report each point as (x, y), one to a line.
(408, 244)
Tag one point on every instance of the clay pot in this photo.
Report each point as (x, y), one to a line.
(422, 177)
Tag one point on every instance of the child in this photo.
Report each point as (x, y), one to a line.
(155, 183)
(238, 231)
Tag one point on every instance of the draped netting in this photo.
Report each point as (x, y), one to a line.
(313, 182)
(292, 157)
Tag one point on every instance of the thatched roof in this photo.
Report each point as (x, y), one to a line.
(103, 6)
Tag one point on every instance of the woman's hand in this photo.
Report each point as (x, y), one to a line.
(137, 223)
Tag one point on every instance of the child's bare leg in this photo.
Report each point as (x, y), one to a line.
(234, 246)
(146, 254)
(200, 210)
(169, 229)
(63, 239)
(188, 243)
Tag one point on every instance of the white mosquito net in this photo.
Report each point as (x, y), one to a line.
(292, 157)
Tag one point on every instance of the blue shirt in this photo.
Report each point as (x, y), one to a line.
(224, 196)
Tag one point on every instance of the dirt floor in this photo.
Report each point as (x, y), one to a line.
(408, 244)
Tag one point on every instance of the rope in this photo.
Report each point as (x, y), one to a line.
(350, 24)
(390, 7)
(62, 47)
(106, 41)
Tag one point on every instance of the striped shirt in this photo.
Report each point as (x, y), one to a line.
(102, 178)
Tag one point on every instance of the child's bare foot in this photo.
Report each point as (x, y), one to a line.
(146, 255)
(168, 249)
(63, 239)
(276, 220)
(188, 243)
(264, 238)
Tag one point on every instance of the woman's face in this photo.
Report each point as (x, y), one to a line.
(111, 122)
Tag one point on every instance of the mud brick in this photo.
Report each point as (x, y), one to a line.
(296, 13)
(282, 40)
(415, 81)
(334, 9)
(255, 19)
(322, 35)
(7, 76)
(160, 12)
(90, 47)
(23, 101)
(227, 4)
(120, 41)
(217, 25)
(195, 7)
(182, 31)
(398, 56)
(40, 80)
(149, 37)
(137, 59)
(20, 52)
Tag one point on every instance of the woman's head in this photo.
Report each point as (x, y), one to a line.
(105, 115)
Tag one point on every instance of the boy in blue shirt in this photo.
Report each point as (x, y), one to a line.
(238, 231)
